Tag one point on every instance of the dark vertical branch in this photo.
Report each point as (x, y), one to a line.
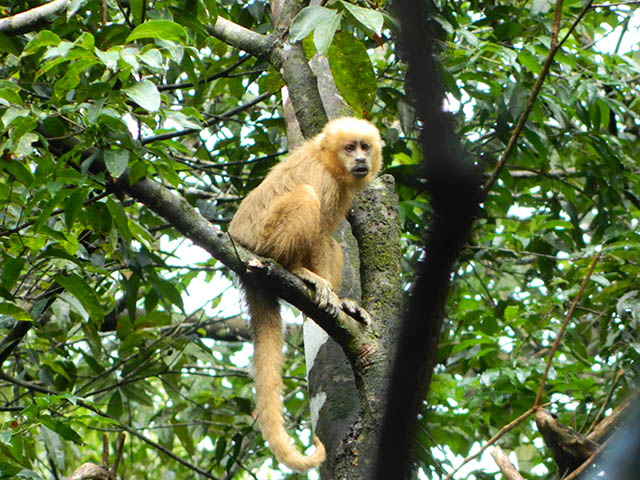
(455, 193)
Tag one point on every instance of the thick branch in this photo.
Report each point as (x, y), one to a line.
(303, 87)
(32, 19)
(242, 38)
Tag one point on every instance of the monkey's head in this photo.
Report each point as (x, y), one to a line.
(354, 148)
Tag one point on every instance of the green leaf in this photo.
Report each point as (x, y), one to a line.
(44, 38)
(18, 170)
(11, 268)
(9, 96)
(324, 32)
(114, 407)
(369, 19)
(86, 295)
(145, 94)
(7, 45)
(346, 56)
(120, 219)
(159, 29)
(168, 291)
(511, 312)
(7, 308)
(61, 428)
(73, 205)
(72, 76)
(116, 161)
(307, 20)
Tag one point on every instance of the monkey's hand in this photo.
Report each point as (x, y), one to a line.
(356, 311)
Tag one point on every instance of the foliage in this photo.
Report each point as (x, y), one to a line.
(95, 294)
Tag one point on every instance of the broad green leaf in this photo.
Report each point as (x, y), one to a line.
(141, 234)
(347, 55)
(530, 61)
(109, 59)
(116, 161)
(370, 19)
(167, 291)
(114, 407)
(159, 29)
(61, 428)
(76, 286)
(307, 20)
(44, 38)
(72, 76)
(145, 94)
(73, 205)
(120, 219)
(324, 32)
(11, 309)
(9, 96)
(11, 268)
(18, 170)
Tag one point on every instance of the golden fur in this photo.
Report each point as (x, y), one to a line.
(290, 217)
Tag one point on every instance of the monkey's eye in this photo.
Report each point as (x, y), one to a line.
(366, 147)
(350, 147)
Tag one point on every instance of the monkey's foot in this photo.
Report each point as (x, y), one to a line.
(324, 294)
(356, 311)
(326, 297)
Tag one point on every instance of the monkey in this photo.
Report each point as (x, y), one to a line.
(290, 217)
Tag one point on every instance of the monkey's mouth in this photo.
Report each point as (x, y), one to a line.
(360, 171)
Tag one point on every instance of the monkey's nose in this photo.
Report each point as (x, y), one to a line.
(361, 160)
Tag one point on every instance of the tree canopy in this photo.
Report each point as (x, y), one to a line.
(124, 121)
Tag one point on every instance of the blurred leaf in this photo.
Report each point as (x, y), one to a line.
(87, 297)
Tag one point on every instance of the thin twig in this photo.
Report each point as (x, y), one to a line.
(213, 121)
(119, 450)
(223, 73)
(565, 322)
(603, 407)
(105, 450)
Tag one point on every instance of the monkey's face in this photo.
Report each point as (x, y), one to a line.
(353, 148)
(357, 156)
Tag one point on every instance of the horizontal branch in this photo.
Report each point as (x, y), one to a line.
(240, 37)
(32, 19)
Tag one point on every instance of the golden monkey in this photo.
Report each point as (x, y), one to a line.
(290, 217)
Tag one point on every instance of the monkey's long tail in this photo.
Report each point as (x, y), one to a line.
(267, 371)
